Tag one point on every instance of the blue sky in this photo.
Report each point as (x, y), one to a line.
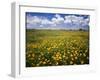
(56, 21)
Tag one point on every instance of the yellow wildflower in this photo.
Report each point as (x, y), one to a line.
(71, 62)
(82, 62)
(48, 49)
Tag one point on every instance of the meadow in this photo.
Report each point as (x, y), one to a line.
(56, 47)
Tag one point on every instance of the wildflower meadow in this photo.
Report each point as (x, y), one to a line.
(56, 47)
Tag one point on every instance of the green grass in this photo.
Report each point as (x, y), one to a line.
(56, 47)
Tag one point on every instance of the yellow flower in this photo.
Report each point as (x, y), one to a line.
(57, 56)
(34, 46)
(28, 55)
(44, 62)
(60, 57)
(82, 62)
(71, 62)
(33, 55)
(48, 60)
(38, 64)
(64, 56)
(72, 59)
(56, 63)
(48, 49)
(41, 53)
(54, 46)
(75, 57)
(71, 55)
(84, 55)
(80, 54)
(68, 52)
(86, 50)
(74, 54)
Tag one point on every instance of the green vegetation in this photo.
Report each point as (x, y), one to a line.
(56, 47)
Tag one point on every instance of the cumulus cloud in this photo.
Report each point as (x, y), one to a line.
(46, 21)
(33, 19)
(57, 21)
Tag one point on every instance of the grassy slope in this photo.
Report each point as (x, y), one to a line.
(36, 35)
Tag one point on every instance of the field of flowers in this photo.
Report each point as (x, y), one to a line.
(56, 47)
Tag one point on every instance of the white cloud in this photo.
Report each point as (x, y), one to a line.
(33, 20)
(56, 22)
(57, 16)
(67, 19)
(85, 22)
(76, 20)
(73, 18)
(40, 21)
(57, 19)
(46, 21)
